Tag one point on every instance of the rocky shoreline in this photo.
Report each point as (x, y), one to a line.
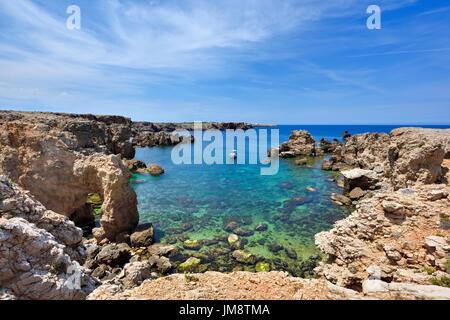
(395, 245)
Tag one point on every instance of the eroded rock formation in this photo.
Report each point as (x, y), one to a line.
(390, 237)
(300, 143)
(406, 157)
(56, 157)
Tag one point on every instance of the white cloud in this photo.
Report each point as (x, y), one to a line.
(133, 45)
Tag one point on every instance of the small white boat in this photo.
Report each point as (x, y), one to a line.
(233, 154)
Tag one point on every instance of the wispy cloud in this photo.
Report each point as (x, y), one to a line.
(192, 53)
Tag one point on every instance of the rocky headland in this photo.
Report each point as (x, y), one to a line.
(53, 167)
(150, 134)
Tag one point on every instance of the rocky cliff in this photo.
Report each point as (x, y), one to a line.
(61, 159)
(149, 134)
(399, 231)
(406, 157)
(39, 250)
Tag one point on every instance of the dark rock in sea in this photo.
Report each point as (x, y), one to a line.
(171, 240)
(262, 241)
(230, 226)
(291, 253)
(192, 244)
(346, 135)
(243, 232)
(261, 227)
(290, 205)
(286, 185)
(275, 247)
(187, 226)
(306, 268)
(301, 162)
(244, 257)
(211, 242)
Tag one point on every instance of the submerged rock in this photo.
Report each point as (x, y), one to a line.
(301, 162)
(275, 247)
(291, 253)
(262, 267)
(192, 244)
(244, 257)
(243, 232)
(261, 227)
(233, 240)
(190, 265)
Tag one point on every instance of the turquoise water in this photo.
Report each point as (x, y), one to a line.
(197, 202)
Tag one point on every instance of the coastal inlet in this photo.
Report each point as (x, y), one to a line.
(229, 217)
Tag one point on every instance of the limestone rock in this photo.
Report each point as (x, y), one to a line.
(244, 257)
(135, 273)
(356, 193)
(300, 143)
(33, 265)
(143, 236)
(114, 254)
(155, 170)
(359, 178)
(341, 199)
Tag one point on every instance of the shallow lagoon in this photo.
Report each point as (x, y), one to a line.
(197, 202)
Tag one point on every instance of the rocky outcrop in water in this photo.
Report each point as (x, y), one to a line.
(406, 157)
(300, 143)
(149, 134)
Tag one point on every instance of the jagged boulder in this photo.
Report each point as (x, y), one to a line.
(359, 178)
(300, 143)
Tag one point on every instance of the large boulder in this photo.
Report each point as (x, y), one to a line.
(143, 236)
(114, 255)
(359, 178)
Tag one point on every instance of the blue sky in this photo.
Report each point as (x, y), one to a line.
(267, 61)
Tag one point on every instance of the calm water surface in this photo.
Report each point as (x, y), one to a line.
(197, 202)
